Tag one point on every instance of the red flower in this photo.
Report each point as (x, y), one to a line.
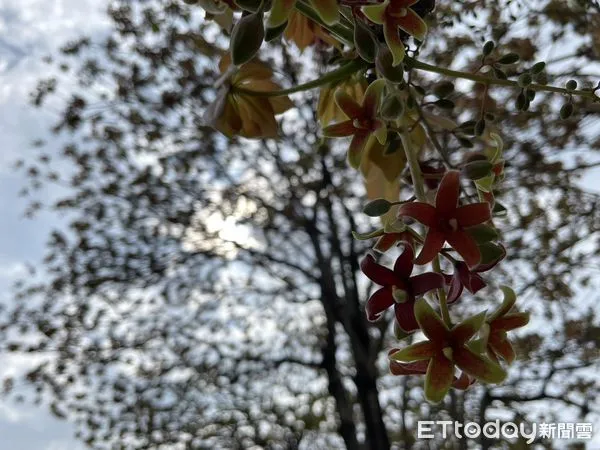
(500, 322)
(362, 120)
(469, 279)
(399, 288)
(445, 350)
(447, 221)
(462, 382)
(394, 15)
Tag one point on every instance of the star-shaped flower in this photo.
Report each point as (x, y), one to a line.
(463, 277)
(448, 222)
(447, 349)
(234, 113)
(399, 288)
(394, 15)
(500, 322)
(362, 120)
(462, 382)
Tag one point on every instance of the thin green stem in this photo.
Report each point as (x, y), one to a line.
(413, 165)
(338, 74)
(482, 79)
(442, 295)
(419, 186)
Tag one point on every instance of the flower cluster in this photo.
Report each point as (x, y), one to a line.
(444, 232)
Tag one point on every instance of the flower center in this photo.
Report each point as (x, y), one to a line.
(400, 295)
(402, 12)
(447, 351)
(362, 124)
(448, 224)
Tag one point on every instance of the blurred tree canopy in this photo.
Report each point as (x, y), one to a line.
(206, 293)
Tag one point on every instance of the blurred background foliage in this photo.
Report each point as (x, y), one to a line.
(206, 292)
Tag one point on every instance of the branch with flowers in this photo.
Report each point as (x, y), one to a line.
(446, 226)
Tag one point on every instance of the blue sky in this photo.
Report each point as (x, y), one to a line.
(29, 30)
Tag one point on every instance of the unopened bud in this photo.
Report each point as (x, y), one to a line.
(384, 64)
(476, 170)
(246, 38)
(377, 207)
(364, 42)
(392, 107)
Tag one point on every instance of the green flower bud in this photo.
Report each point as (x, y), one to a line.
(488, 48)
(377, 207)
(500, 74)
(571, 85)
(273, 33)
(364, 42)
(491, 253)
(483, 233)
(566, 111)
(384, 64)
(538, 67)
(392, 107)
(525, 79)
(476, 170)
(509, 58)
(521, 101)
(246, 38)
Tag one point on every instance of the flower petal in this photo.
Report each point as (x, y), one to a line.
(475, 283)
(434, 241)
(413, 25)
(430, 322)
(463, 382)
(478, 366)
(328, 10)
(378, 303)
(425, 282)
(484, 267)
(473, 214)
(356, 148)
(376, 272)
(423, 212)
(405, 316)
(376, 13)
(509, 301)
(466, 247)
(456, 288)
(387, 241)
(372, 98)
(465, 330)
(403, 266)
(501, 346)
(347, 104)
(439, 377)
(280, 11)
(339, 129)
(511, 321)
(446, 199)
(416, 352)
(393, 41)
(412, 368)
